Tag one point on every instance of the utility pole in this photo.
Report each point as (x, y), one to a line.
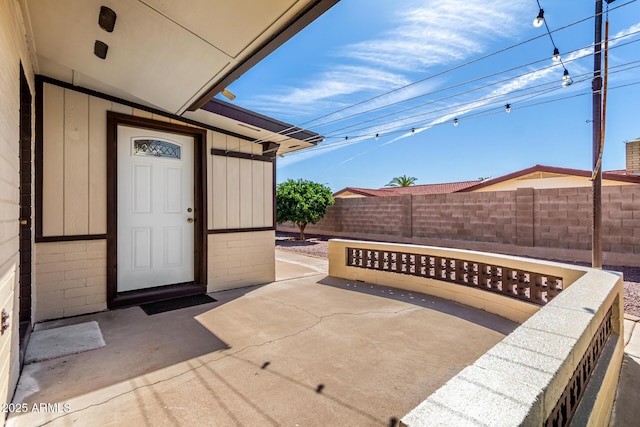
(596, 186)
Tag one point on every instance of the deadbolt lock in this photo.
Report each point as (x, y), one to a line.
(189, 220)
(189, 210)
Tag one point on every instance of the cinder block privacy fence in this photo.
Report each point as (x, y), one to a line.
(546, 223)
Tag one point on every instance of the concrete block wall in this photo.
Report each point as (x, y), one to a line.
(240, 259)
(524, 219)
(621, 219)
(486, 217)
(552, 223)
(373, 215)
(563, 218)
(71, 277)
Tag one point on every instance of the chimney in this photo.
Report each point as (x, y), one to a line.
(633, 157)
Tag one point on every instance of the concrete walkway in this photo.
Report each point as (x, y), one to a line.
(306, 350)
(626, 411)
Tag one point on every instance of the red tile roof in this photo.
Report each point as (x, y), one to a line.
(444, 188)
(617, 175)
(453, 187)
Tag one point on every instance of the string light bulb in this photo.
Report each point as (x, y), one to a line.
(507, 108)
(377, 137)
(455, 122)
(556, 55)
(346, 138)
(566, 78)
(413, 131)
(539, 19)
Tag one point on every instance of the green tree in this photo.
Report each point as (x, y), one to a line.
(402, 181)
(302, 202)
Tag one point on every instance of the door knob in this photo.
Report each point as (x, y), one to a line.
(189, 220)
(189, 210)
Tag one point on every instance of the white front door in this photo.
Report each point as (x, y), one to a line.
(155, 209)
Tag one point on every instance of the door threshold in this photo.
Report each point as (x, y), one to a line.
(129, 298)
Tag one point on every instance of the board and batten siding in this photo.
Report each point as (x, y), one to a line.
(74, 203)
(240, 190)
(74, 167)
(14, 51)
(240, 197)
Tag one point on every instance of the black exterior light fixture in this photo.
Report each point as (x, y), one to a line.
(107, 19)
(100, 49)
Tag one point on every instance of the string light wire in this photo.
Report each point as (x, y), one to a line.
(459, 85)
(523, 93)
(485, 113)
(299, 128)
(480, 87)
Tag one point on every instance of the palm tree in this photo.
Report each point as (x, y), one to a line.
(402, 181)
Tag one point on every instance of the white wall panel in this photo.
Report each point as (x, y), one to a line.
(53, 164)
(233, 192)
(233, 143)
(246, 193)
(218, 192)
(98, 165)
(268, 194)
(76, 163)
(257, 191)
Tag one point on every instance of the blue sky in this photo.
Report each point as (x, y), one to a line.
(370, 67)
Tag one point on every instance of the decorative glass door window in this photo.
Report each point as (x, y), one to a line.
(156, 148)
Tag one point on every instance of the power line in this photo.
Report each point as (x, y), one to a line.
(509, 95)
(513, 97)
(465, 83)
(485, 113)
(296, 129)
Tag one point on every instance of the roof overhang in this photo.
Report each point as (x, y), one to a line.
(170, 55)
(276, 137)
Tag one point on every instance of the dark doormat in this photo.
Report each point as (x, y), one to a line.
(176, 303)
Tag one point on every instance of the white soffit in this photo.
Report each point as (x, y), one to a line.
(162, 53)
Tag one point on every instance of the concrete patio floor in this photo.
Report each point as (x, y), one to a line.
(306, 350)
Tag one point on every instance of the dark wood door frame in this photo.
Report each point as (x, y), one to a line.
(26, 186)
(121, 299)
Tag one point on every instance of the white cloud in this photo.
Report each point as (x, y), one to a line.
(326, 90)
(344, 80)
(438, 32)
(435, 32)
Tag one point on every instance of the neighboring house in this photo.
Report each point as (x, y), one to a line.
(445, 188)
(539, 177)
(121, 179)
